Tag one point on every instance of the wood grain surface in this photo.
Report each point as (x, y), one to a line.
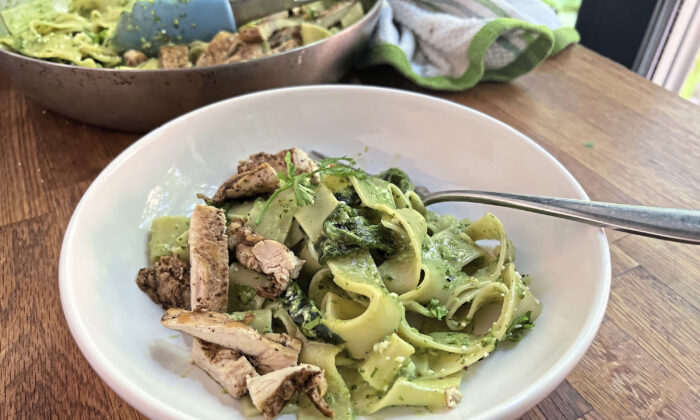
(645, 360)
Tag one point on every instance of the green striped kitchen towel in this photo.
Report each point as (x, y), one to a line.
(454, 44)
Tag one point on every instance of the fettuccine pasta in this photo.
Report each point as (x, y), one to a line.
(393, 301)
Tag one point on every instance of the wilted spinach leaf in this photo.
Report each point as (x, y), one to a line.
(345, 231)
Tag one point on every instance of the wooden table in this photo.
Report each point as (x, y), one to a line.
(623, 138)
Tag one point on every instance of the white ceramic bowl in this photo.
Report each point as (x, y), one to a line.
(440, 144)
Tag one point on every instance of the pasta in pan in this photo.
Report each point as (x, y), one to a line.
(83, 33)
(392, 302)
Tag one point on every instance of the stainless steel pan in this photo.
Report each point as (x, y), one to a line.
(138, 100)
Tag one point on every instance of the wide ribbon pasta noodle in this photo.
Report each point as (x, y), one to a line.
(358, 274)
(412, 297)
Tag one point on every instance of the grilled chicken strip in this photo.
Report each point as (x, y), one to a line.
(241, 233)
(174, 57)
(299, 158)
(133, 58)
(208, 259)
(267, 352)
(227, 367)
(285, 39)
(264, 256)
(271, 392)
(259, 180)
(167, 283)
(246, 51)
(220, 48)
(274, 259)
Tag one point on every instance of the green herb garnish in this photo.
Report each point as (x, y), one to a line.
(304, 194)
(519, 326)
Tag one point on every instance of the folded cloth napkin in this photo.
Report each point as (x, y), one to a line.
(454, 44)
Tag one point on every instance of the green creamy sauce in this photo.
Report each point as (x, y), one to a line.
(168, 236)
(260, 319)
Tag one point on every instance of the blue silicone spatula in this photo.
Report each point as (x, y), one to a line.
(154, 23)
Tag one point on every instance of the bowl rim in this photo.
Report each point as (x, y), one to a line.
(369, 15)
(514, 406)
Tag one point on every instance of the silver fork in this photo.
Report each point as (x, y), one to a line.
(679, 225)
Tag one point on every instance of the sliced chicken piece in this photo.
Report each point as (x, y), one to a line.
(284, 339)
(272, 391)
(209, 259)
(174, 57)
(267, 352)
(133, 58)
(272, 258)
(285, 39)
(244, 255)
(221, 47)
(167, 283)
(227, 367)
(240, 233)
(258, 181)
(299, 158)
(250, 34)
(246, 51)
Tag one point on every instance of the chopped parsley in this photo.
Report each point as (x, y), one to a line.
(436, 308)
(374, 372)
(519, 326)
(588, 144)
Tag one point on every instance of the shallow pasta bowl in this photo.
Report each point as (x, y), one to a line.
(440, 144)
(139, 100)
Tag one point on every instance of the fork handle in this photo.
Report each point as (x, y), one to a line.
(678, 225)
